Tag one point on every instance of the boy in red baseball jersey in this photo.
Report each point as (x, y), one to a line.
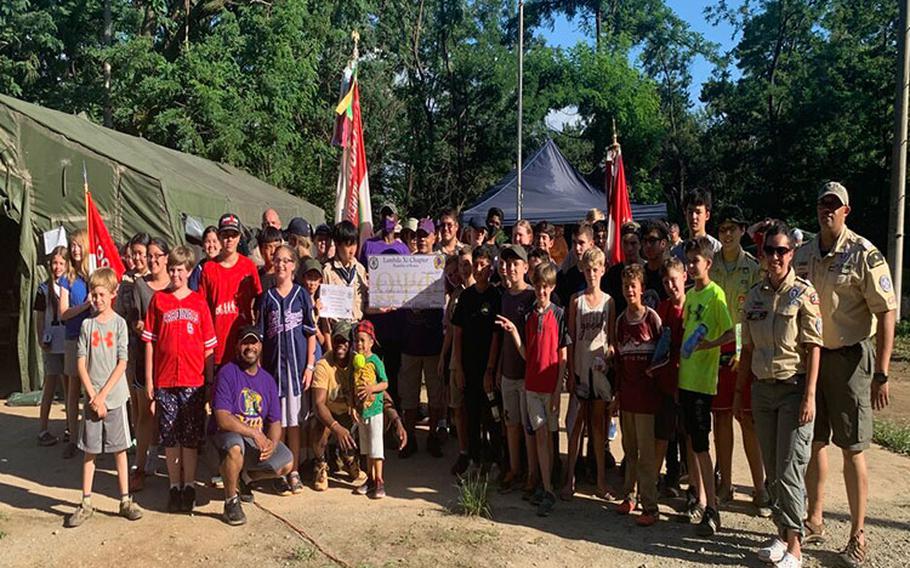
(180, 340)
(230, 285)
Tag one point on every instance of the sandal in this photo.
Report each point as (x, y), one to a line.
(45, 438)
(295, 483)
(567, 492)
(812, 533)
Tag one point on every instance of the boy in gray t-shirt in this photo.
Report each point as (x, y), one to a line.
(102, 353)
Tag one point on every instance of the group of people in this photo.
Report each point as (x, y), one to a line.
(229, 360)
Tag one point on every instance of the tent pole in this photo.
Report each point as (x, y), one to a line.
(521, 43)
(899, 158)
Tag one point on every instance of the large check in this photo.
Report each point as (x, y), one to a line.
(398, 281)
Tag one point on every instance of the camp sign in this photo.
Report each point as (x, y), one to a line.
(398, 281)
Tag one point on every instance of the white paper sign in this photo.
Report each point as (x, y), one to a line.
(337, 301)
(407, 281)
(53, 239)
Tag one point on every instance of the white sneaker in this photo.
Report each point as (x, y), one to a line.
(773, 551)
(789, 561)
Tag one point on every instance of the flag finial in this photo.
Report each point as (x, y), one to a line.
(355, 35)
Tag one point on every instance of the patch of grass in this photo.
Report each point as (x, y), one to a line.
(893, 436)
(303, 553)
(2, 535)
(474, 496)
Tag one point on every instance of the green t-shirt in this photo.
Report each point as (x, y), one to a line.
(375, 409)
(708, 306)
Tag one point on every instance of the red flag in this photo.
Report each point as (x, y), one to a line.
(352, 195)
(619, 209)
(102, 250)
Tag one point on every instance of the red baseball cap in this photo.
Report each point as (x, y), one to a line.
(366, 326)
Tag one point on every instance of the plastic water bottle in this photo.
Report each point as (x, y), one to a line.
(689, 346)
(494, 408)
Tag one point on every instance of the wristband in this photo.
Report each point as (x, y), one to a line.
(880, 378)
(333, 424)
(310, 367)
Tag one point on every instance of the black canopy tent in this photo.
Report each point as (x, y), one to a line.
(552, 190)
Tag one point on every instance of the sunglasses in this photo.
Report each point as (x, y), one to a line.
(779, 251)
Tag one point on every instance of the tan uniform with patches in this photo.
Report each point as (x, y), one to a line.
(853, 283)
(778, 324)
(736, 280)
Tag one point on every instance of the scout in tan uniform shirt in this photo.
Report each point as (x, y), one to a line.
(857, 301)
(782, 337)
(735, 271)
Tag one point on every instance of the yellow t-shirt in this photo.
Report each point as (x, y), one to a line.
(708, 307)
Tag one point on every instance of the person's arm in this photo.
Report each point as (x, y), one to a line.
(391, 417)
(725, 337)
(149, 374)
(85, 380)
(742, 377)
(610, 350)
(807, 408)
(557, 392)
(447, 341)
(884, 345)
(227, 422)
(310, 361)
(457, 364)
(119, 371)
(510, 328)
(570, 352)
(40, 320)
(345, 440)
(68, 312)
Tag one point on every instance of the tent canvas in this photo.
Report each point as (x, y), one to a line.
(137, 185)
(552, 190)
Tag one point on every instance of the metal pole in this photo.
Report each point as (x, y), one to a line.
(521, 49)
(899, 159)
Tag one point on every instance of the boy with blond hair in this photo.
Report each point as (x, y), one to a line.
(102, 354)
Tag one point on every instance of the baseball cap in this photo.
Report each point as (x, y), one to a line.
(299, 227)
(366, 326)
(324, 230)
(732, 214)
(516, 251)
(835, 189)
(390, 207)
(228, 222)
(427, 226)
(476, 223)
(249, 332)
(311, 264)
(411, 223)
(341, 329)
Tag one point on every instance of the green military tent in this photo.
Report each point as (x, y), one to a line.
(137, 186)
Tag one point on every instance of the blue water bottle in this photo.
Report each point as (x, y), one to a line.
(689, 346)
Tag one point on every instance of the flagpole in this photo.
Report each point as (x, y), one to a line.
(521, 48)
(899, 158)
(88, 224)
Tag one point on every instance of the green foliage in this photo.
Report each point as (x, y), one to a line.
(474, 496)
(892, 436)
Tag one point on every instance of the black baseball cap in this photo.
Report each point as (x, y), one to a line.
(229, 222)
(323, 229)
(299, 227)
(249, 332)
(476, 223)
(731, 214)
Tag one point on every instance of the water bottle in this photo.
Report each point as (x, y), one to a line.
(689, 346)
(494, 408)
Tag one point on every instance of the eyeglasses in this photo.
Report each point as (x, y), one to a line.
(284, 261)
(778, 251)
(153, 256)
(652, 240)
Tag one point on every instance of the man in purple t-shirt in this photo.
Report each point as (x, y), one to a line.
(385, 242)
(248, 416)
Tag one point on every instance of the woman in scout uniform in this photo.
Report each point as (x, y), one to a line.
(782, 338)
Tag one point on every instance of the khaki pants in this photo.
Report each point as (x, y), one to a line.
(640, 458)
(785, 447)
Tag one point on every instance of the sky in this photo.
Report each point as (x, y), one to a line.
(567, 33)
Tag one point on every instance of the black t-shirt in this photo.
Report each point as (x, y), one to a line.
(611, 283)
(654, 288)
(476, 315)
(569, 283)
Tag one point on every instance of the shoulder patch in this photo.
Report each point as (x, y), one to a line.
(864, 243)
(885, 283)
(875, 259)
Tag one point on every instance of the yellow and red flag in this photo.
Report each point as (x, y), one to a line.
(352, 196)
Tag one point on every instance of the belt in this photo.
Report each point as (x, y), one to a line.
(848, 347)
(792, 381)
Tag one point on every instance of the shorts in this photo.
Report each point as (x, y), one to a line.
(280, 458)
(746, 396)
(369, 433)
(53, 364)
(456, 395)
(514, 402)
(181, 416)
(106, 435)
(596, 386)
(667, 419)
(539, 411)
(726, 388)
(291, 408)
(696, 410)
(843, 397)
(70, 369)
(413, 369)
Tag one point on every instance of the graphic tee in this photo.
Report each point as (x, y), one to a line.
(516, 308)
(707, 307)
(230, 293)
(253, 399)
(103, 344)
(286, 323)
(636, 340)
(182, 332)
(476, 314)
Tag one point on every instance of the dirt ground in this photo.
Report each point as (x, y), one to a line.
(414, 526)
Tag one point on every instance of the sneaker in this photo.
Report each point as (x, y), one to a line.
(244, 490)
(710, 523)
(320, 476)
(379, 492)
(433, 446)
(773, 551)
(188, 499)
(537, 497)
(364, 488)
(647, 519)
(281, 487)
(352, 468)
(82, 513)
(217, 482)
(45, 438)
(762, 504)
(546, 504)
(130, 510)
(70, 451)
(66, 436)
(789, 561)
(233, 512)
(409, 450)
(694, 514)
(854, 554)
(626, 507)
(137, 480)
(461, 465)
(295, 483)
(174, 500)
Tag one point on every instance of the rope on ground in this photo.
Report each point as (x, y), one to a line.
(303, 534)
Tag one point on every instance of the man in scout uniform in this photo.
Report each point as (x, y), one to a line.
(735, 271)
(857, 302)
